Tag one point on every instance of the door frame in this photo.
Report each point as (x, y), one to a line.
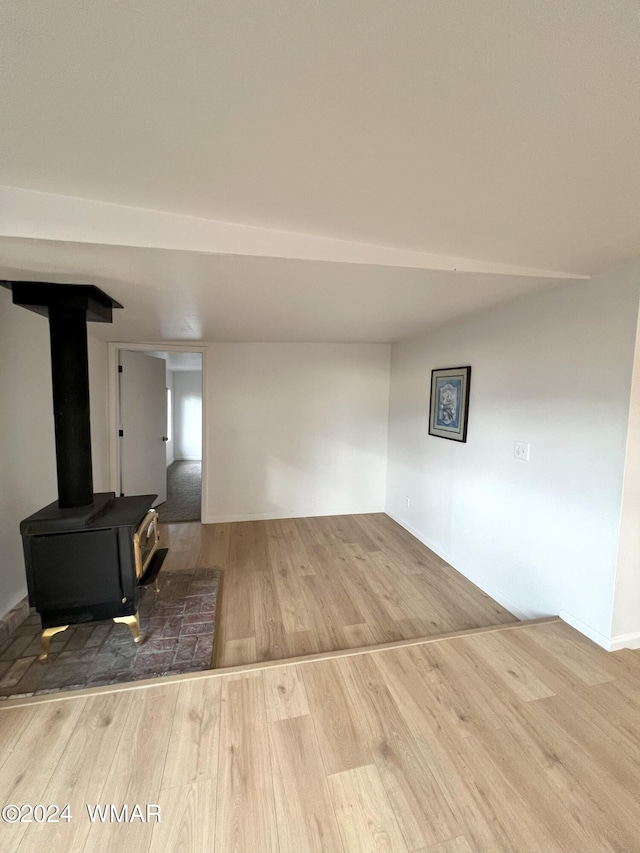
(113, 413)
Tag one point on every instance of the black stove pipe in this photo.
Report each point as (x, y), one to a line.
(69, 307)
(70, 378)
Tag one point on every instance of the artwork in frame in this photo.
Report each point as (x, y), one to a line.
(449, 409)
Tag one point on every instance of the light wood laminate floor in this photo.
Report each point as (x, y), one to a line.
(522, 739)
(303, 586)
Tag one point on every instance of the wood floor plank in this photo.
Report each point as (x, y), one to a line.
(398, 544)
(306, 819)
(329, 576)
(441, 747)
(422, 809)
(510, 668)
(573, 736)
(237, 601)
(388, 580)
(479, 697)
(619, 702)
(214, 548)
(285, 693)
(452, 845)
(324, 613)
(457, 598)
(81, 774)
(511, 759)
(383, 583)
(322, 534)
(188, 820)
(245, 810)
(358, 636)
(341, 533)
(542, 766)
(591, 664)
(192, 754)
(515, 812)
(289, 530)
(258, 546)
(463, 711)
(270, 636)
(12, 724)
(367, 821)
(361, 534)
(384, 629)
(25, 777)
(337, 729)
(301, 643)
(548, 667)
(292, 604)
(235, 652)
(294, 530)
(135, 774)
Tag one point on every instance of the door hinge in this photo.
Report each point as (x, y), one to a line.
(119, 368)
(120, 433)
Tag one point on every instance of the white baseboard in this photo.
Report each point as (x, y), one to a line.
(16, 613)
(496, 594)
(625, 641)
(281, 514)
(587, 630)
(188, 459)
(611, 644)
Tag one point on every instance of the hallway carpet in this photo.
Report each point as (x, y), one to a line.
(184, 491)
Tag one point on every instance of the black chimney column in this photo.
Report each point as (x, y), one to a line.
(70, 378)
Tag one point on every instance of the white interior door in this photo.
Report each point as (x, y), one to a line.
(143, 421)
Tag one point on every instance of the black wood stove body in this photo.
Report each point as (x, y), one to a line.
(87, 556)
(93, 563)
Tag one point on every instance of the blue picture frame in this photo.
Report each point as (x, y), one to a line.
(449, 404)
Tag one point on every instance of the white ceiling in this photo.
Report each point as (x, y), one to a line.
(497, 130)
(189, 296)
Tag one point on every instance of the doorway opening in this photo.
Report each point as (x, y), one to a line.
(159, 434)
(184, 438)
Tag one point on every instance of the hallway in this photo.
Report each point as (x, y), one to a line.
(184, 492)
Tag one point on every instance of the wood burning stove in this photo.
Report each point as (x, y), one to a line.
(87, 556)
(91, 564)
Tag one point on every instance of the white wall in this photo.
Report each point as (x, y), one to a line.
(98, 399)
(187, 414)
(554, 370)
(625, 626)
(171, 444)
(27, 449)
(296, 429)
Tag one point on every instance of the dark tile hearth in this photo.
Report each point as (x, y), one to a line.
(177, 626)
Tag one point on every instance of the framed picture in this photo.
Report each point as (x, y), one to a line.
(449, 409)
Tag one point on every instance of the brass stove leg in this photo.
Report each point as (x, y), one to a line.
(134, 625)
(45, 640)
(156, 586)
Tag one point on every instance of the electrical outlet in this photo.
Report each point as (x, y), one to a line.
(522, 451)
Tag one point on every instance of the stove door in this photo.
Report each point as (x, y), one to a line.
(75, 569)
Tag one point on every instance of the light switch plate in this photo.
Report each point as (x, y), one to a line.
(522, 451)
